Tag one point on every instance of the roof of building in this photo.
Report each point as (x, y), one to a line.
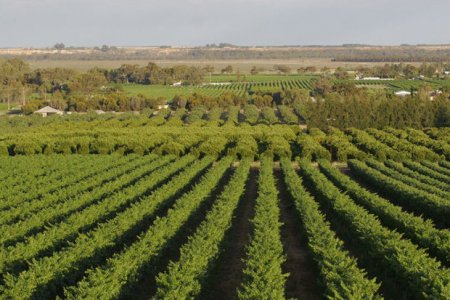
(48, 109)
(403, 93)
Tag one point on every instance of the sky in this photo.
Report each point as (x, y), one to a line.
(42, 23)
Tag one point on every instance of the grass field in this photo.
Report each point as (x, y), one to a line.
(252, 83)
(268, 82)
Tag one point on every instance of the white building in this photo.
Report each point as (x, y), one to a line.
(372, 78)
(47, 111)
(402, 93)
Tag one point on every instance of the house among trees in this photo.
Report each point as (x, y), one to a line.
(47, 111)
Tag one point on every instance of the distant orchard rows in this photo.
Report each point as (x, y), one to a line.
(111, 137)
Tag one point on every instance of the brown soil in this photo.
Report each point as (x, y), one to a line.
(302, 280)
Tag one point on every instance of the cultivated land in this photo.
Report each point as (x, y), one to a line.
(267, 82)
(172, 212)
(233, 193)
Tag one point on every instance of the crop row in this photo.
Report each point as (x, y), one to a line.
(418, 229)
(414, 269)
(123, 271)
(263, 275)
(185, 278)
(340, 275)
(430, 205)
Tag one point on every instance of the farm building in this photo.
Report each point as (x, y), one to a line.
(47, 111)
(402, 93)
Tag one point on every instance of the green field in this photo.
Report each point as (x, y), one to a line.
(267, 82)
(251, 83)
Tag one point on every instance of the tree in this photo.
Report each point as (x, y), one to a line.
(227, 70)
(282, 69)
(239, 76)
(208, 69)
(340, 73)
(261, 101)
(59, 46)
(322, 86)
(179, 101)
(311, 69)
(31, 106)
(254, 70)
(292, 95)
(251, 114)
(88, 82)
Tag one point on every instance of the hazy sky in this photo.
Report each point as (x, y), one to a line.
(41, 23)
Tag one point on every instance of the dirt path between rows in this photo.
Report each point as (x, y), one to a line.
(302, 281)
(228, 273)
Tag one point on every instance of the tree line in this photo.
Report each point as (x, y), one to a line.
(331, 102)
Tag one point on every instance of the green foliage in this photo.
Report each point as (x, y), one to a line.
(310, 149)
(371, 145)
(183, 279)
(287, 115)
(268, 116)
(430, 172)
(414, 227)
(195, 115)
(213, 146)
(413, 182)
(68, 264)
(27, 148)
(251, 114)
(340, 146)
(415, 152)
(243, 146)
(51, 238)
(339, 272)
(122, 272)
(430, 205)
(277, 146)
(415, 270)
(263, 276)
